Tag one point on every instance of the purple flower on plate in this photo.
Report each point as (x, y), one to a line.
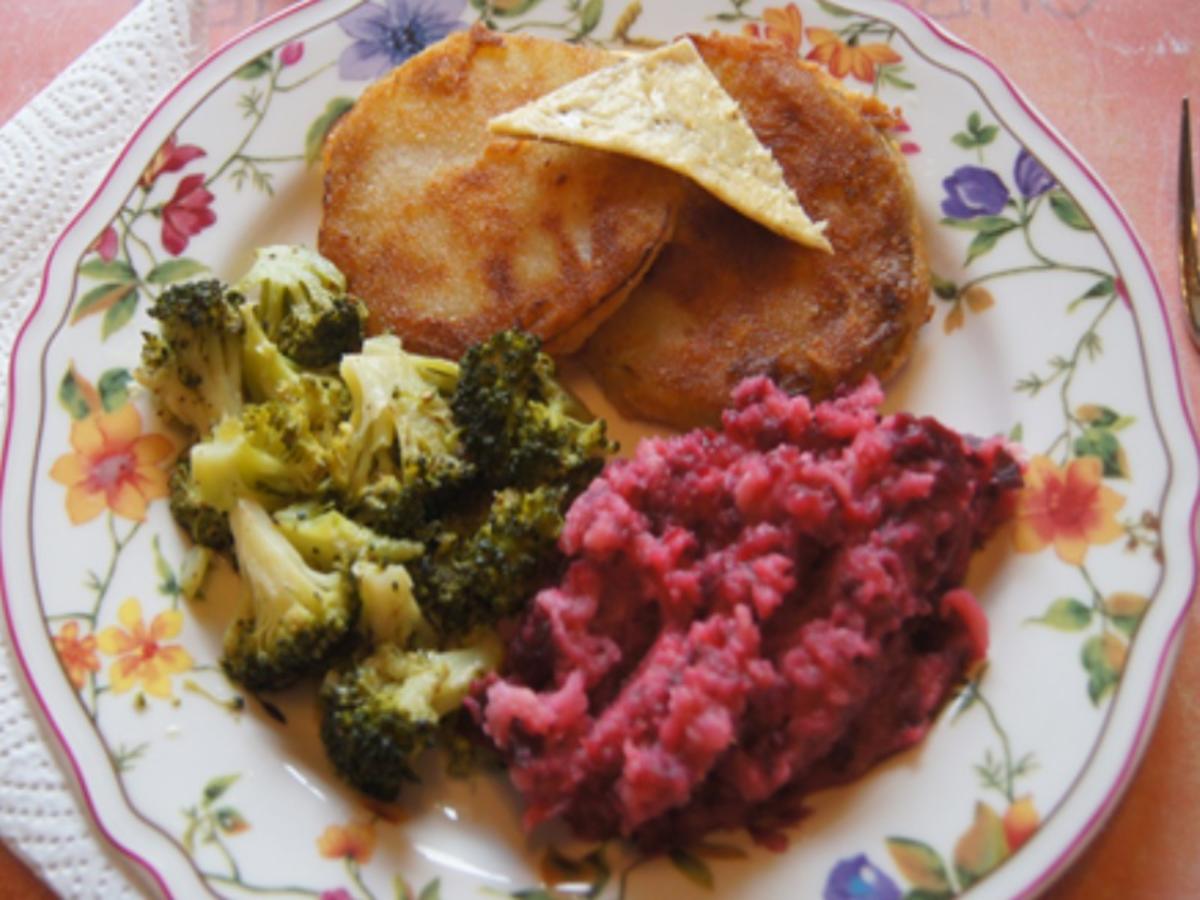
(386, 35)
(972, 192)
(1031, 178)
(337, 894)
(857, 879)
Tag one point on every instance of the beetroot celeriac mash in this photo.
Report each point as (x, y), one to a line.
(748, 615)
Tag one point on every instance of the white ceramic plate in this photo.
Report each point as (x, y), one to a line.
(1048, 326)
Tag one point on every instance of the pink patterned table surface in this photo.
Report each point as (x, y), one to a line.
(1110, 75)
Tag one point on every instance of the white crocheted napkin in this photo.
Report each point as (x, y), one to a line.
(53, 154)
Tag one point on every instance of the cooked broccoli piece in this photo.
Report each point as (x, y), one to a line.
(267, 454)
(518, 425)
(379, 714)
(327, 539)
(193, 572)
(303, 305)
(390, 614)
(204, 523)
(294, 618)
(193, 366)
(270, 376)
(399, 451)
(476, 579)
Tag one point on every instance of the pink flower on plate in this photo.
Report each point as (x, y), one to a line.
(902, 127)
(291, 53)
(106, 244)
(171, 157)
(187, 213)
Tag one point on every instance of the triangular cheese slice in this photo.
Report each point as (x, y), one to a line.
(668, 108)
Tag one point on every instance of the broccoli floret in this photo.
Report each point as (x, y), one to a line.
(379, 714)
(204, 523)
(271, 376)
(294, 618)
(519, 426)
(327, 539)
(267, 454)
(303, 305)
(390, 614)
(465, 581)
(398, 453)
(193, 366)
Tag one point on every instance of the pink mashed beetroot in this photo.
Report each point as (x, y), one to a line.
(748, 615)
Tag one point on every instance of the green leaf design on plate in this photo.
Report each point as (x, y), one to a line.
(431, 891)
(997, 224)
(1066, 614)
(833, 9)
(693, 868)
(976, 134)
(256, 68)
(77, 396)
(218, 786)
(230, 821)
(590, 17)
(1103, 444)
(319, 129)
(505, 8)
(1125, 610)
(1103, 658)
(1016, 433)
(100, 299)
(984, 242)
(116, 270)
(982, 847)
(175, 270)
(117, 315)
(921, 865)
(943, 287)
(1068, 211)
(891, 75)
(114, 388)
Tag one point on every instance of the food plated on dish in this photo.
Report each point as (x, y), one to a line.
(1095, 450)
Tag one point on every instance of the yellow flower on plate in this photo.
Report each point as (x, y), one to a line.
(353, 841)
(142, 654)
(77, 652)
(113, 465)
(1068, 507)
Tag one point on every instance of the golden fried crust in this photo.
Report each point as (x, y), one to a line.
(728, 299)
(450, 233)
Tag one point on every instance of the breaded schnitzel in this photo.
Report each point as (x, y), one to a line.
(451, 233)
(727, 298)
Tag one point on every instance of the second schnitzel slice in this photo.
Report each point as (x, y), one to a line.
(451, 233)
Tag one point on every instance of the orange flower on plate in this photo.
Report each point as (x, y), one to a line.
(783, 25)
(78, 654)
(354, 841)
(142, 654)
(113, 465)
(1069, 508)
(844, 59)
(1020, 822)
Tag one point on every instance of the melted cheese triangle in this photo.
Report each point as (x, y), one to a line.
(668, 108)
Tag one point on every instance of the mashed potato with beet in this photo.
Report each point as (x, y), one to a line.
(748, 615)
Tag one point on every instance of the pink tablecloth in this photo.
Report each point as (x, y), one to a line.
(1109, 74)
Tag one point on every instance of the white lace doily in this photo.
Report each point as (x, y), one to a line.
(53, 155)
